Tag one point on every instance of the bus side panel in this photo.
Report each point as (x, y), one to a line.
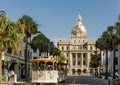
(38, 76)
(52, 76)
(45, 76)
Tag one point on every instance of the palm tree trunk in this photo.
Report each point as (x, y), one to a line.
(100, 64)
(0, 68)
(106, 65)
(113, 61)
(26, 58)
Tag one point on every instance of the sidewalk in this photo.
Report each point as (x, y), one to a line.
(16, 83)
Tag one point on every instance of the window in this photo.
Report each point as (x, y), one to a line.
(78, 62)
(85, 70)
(78, 55)
(79, 41)
(84, 63)
(84, 55)
(74, 41)
(73, 71)
(74, 63)
(79, 47)
(67, 54)
(67, 48)
(62, 48)
(91, 48)
(73, 54)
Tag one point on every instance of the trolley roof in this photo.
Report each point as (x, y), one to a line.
(44, 60)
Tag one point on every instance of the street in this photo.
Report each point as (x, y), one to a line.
(76, 80)
(84, 80)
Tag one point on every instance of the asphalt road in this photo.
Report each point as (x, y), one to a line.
(84, 80)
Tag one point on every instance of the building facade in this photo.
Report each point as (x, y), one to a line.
(16, 63)
(110, 61)
(78, 50)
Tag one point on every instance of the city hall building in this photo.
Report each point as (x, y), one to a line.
(78, 50)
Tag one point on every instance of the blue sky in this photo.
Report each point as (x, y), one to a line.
(56, 18)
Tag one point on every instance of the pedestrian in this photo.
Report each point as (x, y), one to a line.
(9, 75)
(6, 75)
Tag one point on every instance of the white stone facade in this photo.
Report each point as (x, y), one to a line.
(78, 50)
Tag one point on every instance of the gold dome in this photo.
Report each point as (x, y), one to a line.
(79, 27)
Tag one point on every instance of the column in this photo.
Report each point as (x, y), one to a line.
(71, 63)
(88, 59)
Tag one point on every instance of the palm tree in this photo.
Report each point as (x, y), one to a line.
(105, 38)
(55, 51)
(41, 42)
(10, 36)
(30, 28)
(95, 60)
(108, 42)
(99, 44)
(114, 41)
(117, 27)
(103, 44)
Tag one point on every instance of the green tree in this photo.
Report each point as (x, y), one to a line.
(117, 26)
(10, 36)
(100, 45)
(107, 43)
(55, 51)
(30, 28)
(41, 42)
(113, 41)
(61, 57)
(106, 46)
(95, 60)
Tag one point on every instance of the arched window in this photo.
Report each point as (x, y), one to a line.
(91, 48)
(62, 48)
(85, 71)
(73, 71)
(79, 71)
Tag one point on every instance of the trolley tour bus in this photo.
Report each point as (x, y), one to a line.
(47, 70)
